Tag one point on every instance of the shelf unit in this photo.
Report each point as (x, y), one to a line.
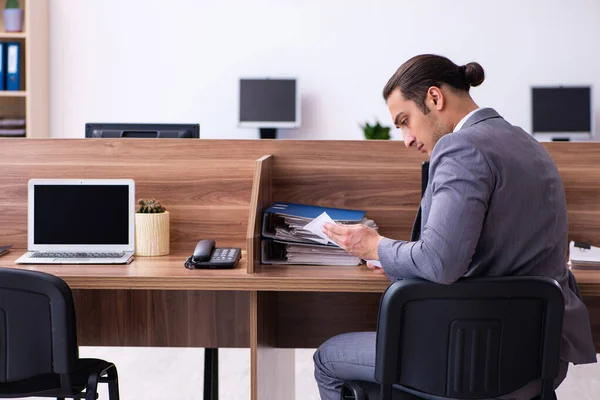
(31, 102)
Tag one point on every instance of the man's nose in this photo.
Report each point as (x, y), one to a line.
(408, 140)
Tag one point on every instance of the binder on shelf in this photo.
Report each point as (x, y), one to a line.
(2, 67)
(285, 240)
(13, 132)
(279, 252)
(285, 221)
(12, 122)
(13, 68)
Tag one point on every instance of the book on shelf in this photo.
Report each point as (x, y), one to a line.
(12, 127)
(4, 132)
(12, 122)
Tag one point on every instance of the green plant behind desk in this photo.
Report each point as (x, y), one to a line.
(376, 132)
(12, 4)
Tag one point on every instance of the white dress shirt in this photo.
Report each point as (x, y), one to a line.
(462, 121)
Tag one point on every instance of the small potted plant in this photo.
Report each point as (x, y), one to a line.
(151, 229)
(13, 16)
(376, 131)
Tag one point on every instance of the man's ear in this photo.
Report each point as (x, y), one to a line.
(435, 98)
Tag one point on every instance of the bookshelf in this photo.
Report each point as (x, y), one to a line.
(31, 102)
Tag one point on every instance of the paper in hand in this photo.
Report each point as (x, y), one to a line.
(316, 226)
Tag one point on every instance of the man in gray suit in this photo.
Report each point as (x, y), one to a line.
(494, 206)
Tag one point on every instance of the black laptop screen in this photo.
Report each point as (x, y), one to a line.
(81, 215)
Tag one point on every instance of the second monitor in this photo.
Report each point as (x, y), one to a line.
(128, 130)
(269, 104)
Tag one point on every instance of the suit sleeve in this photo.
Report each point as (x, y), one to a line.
(461, 183)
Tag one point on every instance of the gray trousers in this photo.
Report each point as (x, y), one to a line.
(351, 356)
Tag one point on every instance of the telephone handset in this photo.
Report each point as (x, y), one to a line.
(207, 256)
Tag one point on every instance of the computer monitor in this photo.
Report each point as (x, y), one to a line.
(159, 131)
(269, 104)
(562, 112)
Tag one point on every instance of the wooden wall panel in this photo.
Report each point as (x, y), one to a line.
(307, 319)
(579, 167)
(162, 318)
(206, 184)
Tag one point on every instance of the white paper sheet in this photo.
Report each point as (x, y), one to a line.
(316, 227)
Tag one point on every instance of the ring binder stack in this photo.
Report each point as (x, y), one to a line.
(284, 241)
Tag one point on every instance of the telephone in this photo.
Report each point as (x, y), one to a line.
(207, 256)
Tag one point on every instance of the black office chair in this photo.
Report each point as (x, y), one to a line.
(477, 338)
(38, 341)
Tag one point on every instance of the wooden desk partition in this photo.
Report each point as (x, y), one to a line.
(218, 189)
(262, 198)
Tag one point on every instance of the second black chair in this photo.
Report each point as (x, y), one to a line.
(39, 355)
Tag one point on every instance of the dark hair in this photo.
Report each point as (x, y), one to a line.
(418, 74)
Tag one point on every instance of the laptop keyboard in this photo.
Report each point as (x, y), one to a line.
(40, 254)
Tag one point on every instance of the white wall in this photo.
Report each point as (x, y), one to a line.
(180, 60)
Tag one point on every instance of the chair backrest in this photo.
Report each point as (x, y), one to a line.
(37, 325)
(476, 338)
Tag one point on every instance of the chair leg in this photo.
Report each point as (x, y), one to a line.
(386, 392)
(91, 390)
(211, 374)
(113, 383)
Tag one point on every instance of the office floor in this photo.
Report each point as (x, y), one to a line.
(167, 373)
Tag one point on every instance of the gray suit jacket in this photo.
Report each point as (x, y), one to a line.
(495, 206)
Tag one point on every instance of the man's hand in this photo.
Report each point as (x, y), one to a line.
(358, 239)
(376, 269)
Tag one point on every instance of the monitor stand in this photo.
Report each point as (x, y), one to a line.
(268, 133)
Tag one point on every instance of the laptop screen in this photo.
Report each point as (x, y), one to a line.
(81, 214)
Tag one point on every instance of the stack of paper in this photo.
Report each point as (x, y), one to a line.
(293, 234)
(319, 255)
(584, 256)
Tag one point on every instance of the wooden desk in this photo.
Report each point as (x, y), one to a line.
(210, 188)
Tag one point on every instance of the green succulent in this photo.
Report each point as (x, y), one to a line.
(376, 131)
(12, 4)
(150, 206)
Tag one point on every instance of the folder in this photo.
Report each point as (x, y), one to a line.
(279, 252)
(2, 67)
(285, 221)
(286, 241)
(13, 68)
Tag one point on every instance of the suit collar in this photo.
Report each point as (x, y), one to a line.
(481, 115)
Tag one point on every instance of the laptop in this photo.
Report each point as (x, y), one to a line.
(80, 221)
